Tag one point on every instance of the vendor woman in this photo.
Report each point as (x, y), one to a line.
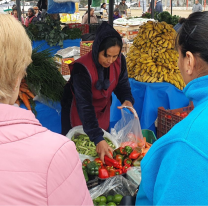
(88, 94)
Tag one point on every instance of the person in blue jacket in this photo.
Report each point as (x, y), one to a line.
(175, 169)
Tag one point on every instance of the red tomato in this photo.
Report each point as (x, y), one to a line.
(177, 113)
(184, 114)
(168, 116)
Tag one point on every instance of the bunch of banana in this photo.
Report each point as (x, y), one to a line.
(152, 57)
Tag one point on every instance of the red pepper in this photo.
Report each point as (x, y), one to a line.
(112, 172)
(125, 168)
(98, 161)
(103, 173)
(108, 168)
(119, 171)
(119, 158)
(135, 153)
(112, 162)
(122, 151)
(127, 161)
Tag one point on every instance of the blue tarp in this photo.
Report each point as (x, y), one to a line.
(55, 8)
(67, 43)
(148, 97)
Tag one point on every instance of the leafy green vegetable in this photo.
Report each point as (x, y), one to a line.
(49, 30)
(166, 16)
(43, 76)
(146, 15)
(85, 146)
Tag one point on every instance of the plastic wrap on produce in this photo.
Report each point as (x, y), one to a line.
(68, 52)
(127, 130)
(79, 130)
(114, 185)
(134, 175)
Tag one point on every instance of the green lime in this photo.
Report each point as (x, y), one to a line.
(102, 204)
(111, 204)
(97, 200)
(103, 199)
(109, 198)
(117, 198)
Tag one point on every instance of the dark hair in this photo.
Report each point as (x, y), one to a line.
(181, 20)
(193, 35)
(90, 10)
(103, 5)
(32, 10)
(109, 42)
(14, 9)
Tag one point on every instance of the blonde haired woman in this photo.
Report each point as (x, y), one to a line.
(38, 167)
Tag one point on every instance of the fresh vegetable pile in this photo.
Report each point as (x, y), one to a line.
(25, 95)
(109, 200)
(152, 57)
(123, 159)
(86, 147)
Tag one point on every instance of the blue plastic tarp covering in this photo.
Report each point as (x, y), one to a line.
(47, 116)
(67, 43)
(55, 8)
(148, 97)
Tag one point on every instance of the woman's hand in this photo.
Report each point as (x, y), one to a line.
(103, 149)
(128, 104)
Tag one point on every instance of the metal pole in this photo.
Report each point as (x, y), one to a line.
(89, 3)
(18, 10)
(110, 15)
(152, 8)
(171, 7)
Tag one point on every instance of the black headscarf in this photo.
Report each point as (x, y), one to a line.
(104, 31)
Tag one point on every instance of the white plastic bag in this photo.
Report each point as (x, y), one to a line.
(68, 52)
(114, 185)
(79, 130)
(127, 131)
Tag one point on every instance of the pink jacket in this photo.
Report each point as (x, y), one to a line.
(37, 166)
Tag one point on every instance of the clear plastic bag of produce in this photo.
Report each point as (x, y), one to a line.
(114, 185)
(127, 131)
(85, 147)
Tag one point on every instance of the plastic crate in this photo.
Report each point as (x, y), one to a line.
(85, 49)
(65, 67)
(150, 135)
(83, 27)
(167, 119)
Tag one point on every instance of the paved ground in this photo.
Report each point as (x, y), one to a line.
(138, 12)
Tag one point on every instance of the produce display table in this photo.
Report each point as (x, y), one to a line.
(148, 97)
